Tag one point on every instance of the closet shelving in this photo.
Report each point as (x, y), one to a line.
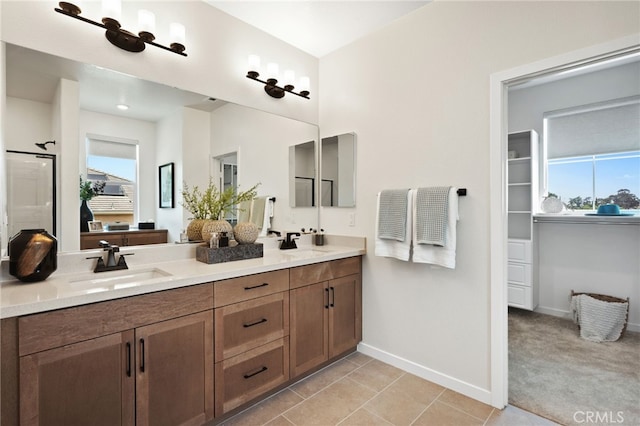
(522, 197)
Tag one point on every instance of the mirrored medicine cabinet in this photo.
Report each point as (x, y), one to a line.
(338, 171)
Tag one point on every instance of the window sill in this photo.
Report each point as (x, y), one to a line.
(576, 218)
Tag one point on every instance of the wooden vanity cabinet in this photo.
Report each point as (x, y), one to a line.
(326, 316)
(251, 337)
(91, 240)
(140, 360)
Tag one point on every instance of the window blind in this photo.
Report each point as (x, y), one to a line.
(112, 149)
(594, 129)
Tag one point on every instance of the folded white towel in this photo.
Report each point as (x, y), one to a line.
(268, 214)
(244, 211)
(391, 248)
(441, 256)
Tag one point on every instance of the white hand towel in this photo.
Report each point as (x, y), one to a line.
(398, 249)
(268, 214)
(435, 255)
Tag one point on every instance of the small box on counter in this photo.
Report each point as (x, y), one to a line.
(228, 254)
(146, 225)
(117, 226)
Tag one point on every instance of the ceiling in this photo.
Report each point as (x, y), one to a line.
(317, 27)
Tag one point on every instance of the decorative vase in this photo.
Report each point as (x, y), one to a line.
(32, 255)
(86, 215)
(194, 230)
(246, 232)
(212, 226)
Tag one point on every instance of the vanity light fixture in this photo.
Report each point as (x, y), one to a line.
(271, 84)
(123, 38)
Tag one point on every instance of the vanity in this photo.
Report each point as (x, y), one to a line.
(134, 237)
(175, 341)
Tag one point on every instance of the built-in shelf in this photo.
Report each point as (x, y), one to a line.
(522, 193)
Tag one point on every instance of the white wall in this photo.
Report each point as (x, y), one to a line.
(28, 122)
(262, 139)
(170, 150)
(592, 258)
(417, 95)
(144, 132)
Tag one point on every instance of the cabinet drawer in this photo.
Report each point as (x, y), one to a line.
(247, 376)
(317, 272)
(236, 290)
(519, 273)
(53, 329)
(519, 251)
(246, 325)
(519, 296)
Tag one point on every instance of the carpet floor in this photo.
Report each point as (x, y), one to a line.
(556, 374)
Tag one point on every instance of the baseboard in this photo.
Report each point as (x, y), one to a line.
(567, 315)
(441, 379)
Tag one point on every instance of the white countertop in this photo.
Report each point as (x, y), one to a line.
(151, 269)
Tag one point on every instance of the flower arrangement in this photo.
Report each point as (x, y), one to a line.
(89, 189)
(213, 203)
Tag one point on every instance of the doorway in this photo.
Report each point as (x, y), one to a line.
(499, 85)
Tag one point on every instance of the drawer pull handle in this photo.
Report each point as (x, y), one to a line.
(326, 306)
(261, 370)
(128, 359)
(257, 286)
(251, 324)
(142, 355)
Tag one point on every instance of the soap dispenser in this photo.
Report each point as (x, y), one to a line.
(224, 240)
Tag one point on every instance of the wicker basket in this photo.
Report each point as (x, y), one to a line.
(610, 299)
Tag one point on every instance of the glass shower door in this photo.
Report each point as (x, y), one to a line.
(31, 183)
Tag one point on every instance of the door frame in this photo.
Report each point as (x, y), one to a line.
(498, 129)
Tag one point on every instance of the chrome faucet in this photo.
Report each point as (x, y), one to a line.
(111, 264)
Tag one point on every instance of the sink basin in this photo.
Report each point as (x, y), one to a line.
(116, 279)
(304, 252)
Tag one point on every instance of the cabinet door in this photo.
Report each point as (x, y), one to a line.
(309, 327)
(345, 316)
(87, 383)
(174, 379)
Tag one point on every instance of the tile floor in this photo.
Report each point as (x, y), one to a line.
(360, 390)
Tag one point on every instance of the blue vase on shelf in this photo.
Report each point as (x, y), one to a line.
(86, 215)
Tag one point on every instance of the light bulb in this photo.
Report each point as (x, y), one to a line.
(289, 78)
(304, 83)
(273, 70)
(254, 63)
(146, 21)
(112, 9)
(177, 32)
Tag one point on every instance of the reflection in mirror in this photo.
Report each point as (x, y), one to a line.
(302, 175)
(338, 176)
(169, 125)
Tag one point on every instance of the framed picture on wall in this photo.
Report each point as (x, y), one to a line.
(166, 188)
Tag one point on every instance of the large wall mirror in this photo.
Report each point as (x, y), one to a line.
(338, 177)
(49, 97)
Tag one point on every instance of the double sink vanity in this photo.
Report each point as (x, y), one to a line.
(172, 340)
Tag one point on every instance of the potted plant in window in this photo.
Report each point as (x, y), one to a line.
(88, 190)
(208, 208)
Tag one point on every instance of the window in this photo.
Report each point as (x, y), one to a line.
(116, 164)
(593, 154)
